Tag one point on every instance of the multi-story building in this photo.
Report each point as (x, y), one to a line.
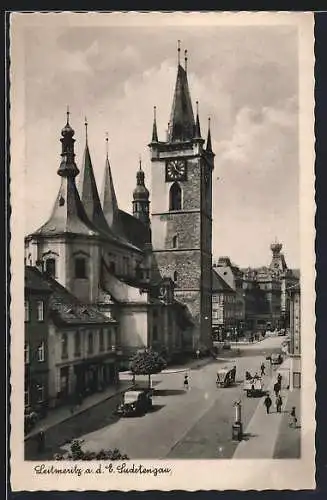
(224, 317)
(36, 349)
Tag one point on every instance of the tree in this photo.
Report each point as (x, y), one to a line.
(147, 362)
(76, 453)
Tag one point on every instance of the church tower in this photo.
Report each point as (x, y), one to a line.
(181, 216)
(141, 201)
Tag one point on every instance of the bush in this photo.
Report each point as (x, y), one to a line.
(76, 453)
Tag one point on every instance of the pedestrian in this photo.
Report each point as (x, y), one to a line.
(293, 419)
(268, 403)
(256, 376)
(279, 379)
(263, 369)
(276, 389)
(41, 441)
(279, 403)
(186, 382)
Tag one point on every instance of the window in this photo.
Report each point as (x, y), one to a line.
(80, 268)
(27, 353)
(175, 197)
(175, 241)
(77, 344)
(40, 352)
(90, 343)
(175, 275)
(155, 333)
(101, 340)
(27, 398)
(27, 310)
(107, 333)
(50, 267)
(64, 346)
(125, 265)
(40, 310)
(112, 267)
(39, 393)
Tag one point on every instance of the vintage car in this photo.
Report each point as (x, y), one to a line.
(226, 376)
(135, 403)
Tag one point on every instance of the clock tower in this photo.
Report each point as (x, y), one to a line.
(181, 216)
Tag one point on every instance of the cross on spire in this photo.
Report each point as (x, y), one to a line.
(86, 124)
(107, 145)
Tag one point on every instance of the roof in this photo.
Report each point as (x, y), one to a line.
(138, 232)
(34, 280)
(64, 306)
(219, 284)
(182, 124)
(68, 214)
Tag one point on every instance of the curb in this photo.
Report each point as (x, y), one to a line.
(72, 415)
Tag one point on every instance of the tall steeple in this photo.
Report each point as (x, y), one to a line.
(68, 214)
(89, 191)
(141, 201)
(154, 128)
(181, 125)
(209, 145)
(197, 134)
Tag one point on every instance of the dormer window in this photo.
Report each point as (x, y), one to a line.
(80, 268)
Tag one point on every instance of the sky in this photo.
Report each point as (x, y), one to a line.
(245, 79)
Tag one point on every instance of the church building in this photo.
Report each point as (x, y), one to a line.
(148, 274)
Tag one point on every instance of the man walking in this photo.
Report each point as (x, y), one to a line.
(268, 403)
(276, 389)
(262, 368)
(279, 403)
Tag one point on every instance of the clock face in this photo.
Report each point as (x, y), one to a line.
(176, 170)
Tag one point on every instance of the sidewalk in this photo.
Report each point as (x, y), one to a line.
(288, 443)
(63, 413)
(262, 432)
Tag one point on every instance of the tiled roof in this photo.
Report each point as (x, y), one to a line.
(136, 231)
(64, 306)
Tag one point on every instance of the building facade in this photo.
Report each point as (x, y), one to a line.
(224, 318)
(181, 217)
(295, 335)
(36, 348)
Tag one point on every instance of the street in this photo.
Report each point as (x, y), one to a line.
(194, 423)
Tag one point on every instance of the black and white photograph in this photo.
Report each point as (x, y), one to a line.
(162, 190)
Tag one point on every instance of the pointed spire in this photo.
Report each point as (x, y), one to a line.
(197, 134)
(141, 197)
(89, 191)
(185, 59)
(154, 129)
(108, 196)
(209, 146)
(178, 52)
(181, 119)
(85, 124)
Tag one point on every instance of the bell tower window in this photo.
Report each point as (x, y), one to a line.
(50, 267)
(175, 276)
(175, 197)
(80, 268)
(175, 241)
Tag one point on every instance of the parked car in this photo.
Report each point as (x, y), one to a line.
(135, 403)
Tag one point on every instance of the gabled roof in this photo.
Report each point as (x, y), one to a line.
(219, 284)
(182, 124)
(64, 306)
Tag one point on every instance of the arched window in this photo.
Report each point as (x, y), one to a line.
(50, 267)
(77, 343)
(175, 275)
(175, 241)
(80, 268)
(175, 197)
